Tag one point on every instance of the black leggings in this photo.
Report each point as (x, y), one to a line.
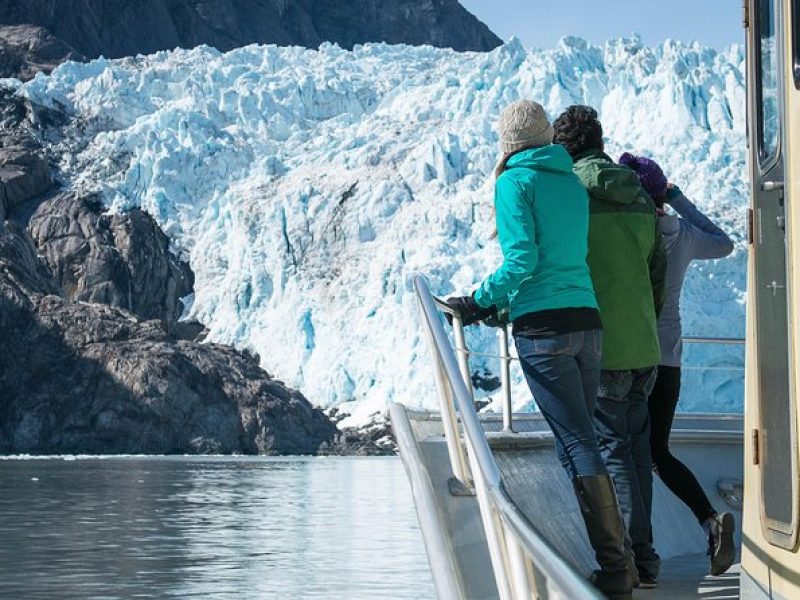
(677, 477)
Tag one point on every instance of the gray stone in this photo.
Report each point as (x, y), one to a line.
(87, 377)
(26, 50)
(81, 377)
(119, 260)
(24, 174)
(21, 270)
(191, 331)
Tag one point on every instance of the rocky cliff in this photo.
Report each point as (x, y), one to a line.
(119, 260)
(117, 28)
(89, 377)
(26, 49)
(93, 358)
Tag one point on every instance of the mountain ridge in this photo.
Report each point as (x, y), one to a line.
(118, 28)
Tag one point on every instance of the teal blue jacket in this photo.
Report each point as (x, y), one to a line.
(542, 213)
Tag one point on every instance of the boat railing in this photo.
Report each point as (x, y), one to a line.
(516, 548)
(525, 564)
(463, 354)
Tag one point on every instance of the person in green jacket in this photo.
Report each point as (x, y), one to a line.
(542, 217)
(628, 266)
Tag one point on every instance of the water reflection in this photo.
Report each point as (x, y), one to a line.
(211, 527)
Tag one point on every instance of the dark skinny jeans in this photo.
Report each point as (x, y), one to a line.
(623, 432)
(675, 475)
(563, 372)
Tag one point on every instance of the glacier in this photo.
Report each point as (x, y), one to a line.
(307, 187)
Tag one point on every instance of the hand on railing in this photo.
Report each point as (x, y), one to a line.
(499, 319)
(466, 308)
(462, 306)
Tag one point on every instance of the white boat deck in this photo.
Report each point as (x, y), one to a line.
(537, 484)
(687, 576)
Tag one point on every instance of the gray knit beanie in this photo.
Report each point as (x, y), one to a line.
(523, 124)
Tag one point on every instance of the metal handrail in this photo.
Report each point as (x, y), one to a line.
(515, 546)
(687, 339)
(512, 358)
(691, 339)
(463, 354)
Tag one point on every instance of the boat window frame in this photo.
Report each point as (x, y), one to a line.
(779, 534)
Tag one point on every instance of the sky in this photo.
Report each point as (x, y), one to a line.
(541, 23)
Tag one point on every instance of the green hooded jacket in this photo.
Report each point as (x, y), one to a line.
(542, 214)
(626, 259)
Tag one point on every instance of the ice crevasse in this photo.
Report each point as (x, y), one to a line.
(307, 187)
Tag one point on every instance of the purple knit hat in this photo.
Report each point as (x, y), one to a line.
(650, 174)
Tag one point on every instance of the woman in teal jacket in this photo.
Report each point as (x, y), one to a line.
(542, 214)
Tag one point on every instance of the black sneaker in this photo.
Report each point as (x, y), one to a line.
(721, 549)
(646, 582)
(614, 585)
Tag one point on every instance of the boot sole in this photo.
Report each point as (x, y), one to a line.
(726, 552)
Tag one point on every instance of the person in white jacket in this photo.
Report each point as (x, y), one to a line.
(688, 235)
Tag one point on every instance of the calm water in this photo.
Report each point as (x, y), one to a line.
(209, 527)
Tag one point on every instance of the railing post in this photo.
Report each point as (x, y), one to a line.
(520, 574)
(462, 354)
(492, 528)
(505, 378)
(455, 449)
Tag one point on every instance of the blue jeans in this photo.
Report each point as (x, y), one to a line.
(623, 431)
(563, 372)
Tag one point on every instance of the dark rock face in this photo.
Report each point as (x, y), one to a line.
(90, 378)
(92, 358)
(24, 173)
(24, 170)
(21, 271)
(441, 23)
(118, 260)
(117, 28)
(26, 50)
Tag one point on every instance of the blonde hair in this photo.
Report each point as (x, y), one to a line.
(498, 170)
(501, 164)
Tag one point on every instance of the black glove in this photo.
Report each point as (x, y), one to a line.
(467, 309)
(498, 318)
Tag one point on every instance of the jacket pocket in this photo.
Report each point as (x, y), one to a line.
(615, 385)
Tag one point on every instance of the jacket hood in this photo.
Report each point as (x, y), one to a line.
(606, 180)
(552, 157)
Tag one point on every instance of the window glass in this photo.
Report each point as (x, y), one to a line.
(767, 81)
(796, 42)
